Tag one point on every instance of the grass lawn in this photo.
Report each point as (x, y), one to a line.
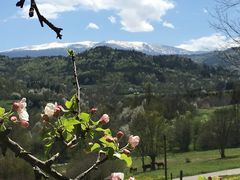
(200, 162)
(235, 177)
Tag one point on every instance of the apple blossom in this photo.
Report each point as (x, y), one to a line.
(104, 119)
(52, 109)
(117, 176)
(133, 141)
(20, 108)
(23, 115)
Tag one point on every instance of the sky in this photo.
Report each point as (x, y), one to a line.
(179, 23)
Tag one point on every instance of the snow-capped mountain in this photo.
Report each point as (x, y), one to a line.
(58, 48)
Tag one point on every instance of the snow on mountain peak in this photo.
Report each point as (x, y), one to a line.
(59, 48)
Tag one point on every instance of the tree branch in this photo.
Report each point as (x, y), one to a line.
(94, 166)
(39, 173)
(40, 166)
(41, 18)
(28, 157)
(50, 161)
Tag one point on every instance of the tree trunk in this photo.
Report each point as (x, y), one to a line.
(143, 163)
(222, 152)
(153, 159)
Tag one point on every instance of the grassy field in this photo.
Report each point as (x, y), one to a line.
(232, 177)
(200, 162)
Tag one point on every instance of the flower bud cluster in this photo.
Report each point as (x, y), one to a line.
(51, 110)
(20, 108)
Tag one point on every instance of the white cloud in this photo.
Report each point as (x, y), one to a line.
(92, 26)
(168, 25)
(135, 15)
(112, 19)
(49, 10)
(208, 43)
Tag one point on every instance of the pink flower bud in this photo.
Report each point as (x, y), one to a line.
(57, 111)
(126, 151)
(19, 106)
(45, 118)
(109, 138)
(15, 106)
(131, 178)
(14, 119)
(120, 134)
(104, 119)
(93, 110)
(133, 141)
(24, 124)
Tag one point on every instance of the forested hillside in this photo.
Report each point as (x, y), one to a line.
(129, 71)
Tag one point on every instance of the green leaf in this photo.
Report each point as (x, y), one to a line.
(95, 147)
(94, 122)
(68, 124)
(108, 144)
(67, 136)
(117, 155)
(72, 104)
(83, 127)
(48, 146)
(2, 111)
(127, 159)
(85, 117)
(68, 104)
(105, 131)
(71, 52)
(2, 128)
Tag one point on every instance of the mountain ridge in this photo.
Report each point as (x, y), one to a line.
(59, 48)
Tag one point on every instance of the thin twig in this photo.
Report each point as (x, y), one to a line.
(76, 82)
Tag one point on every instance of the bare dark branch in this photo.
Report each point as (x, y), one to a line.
(28, 157)
(94, 166)
(20, 3)
(39, 173)
(41, 18)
